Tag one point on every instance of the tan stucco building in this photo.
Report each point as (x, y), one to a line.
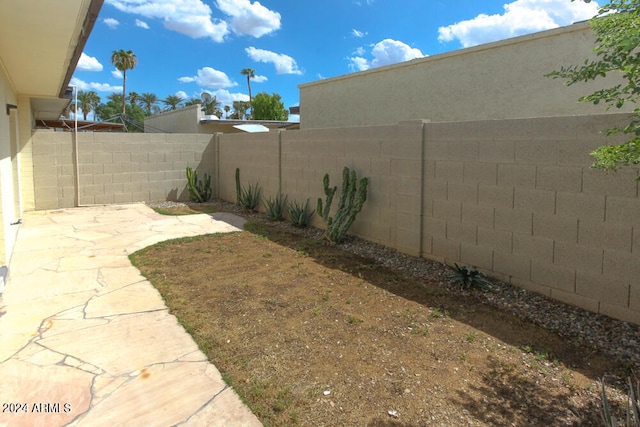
(40, 44)
(500, 80)
(192, 119)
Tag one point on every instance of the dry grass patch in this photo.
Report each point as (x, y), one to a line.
(308, 334)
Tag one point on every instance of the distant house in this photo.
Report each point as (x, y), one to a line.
(40, 45)
(500, 80)
(192, 119)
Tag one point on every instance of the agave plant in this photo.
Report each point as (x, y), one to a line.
(276, 207)
(632, 418)
(299, 214)
(470, 277)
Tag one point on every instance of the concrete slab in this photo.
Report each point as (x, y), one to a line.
(87, 341)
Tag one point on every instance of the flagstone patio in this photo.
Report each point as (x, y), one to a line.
(85, 340)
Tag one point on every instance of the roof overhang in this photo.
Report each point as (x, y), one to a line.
(40, 44)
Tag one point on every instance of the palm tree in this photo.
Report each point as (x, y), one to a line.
(116, 98)
(240, 108)
(134, 97)
(209, 107)
(192, 101)
(123, 61)
(226, 111)
(172, 101)
(148, 101)
(87, 102)
(95, 103)
(250, 73)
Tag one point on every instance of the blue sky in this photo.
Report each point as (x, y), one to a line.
(187, 47)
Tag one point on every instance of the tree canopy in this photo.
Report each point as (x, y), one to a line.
(617, 31)
(87, 101)
(268, 107)
(172, 102)
(111, 111)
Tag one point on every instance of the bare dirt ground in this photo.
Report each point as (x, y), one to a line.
(309, 334)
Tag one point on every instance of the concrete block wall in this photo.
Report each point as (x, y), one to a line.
(116, 167)
(386, 155)
(257, 157)
(518, 199)
(514, 198)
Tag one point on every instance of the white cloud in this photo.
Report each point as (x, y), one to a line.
(111, 23)
(222, 95)
(182, 94)
(209, 77)
(259, 79)
(358, 63)
(194, 17)
(116, 74)
(386, 52)
(357, 33)
(189, 17)
(284, 63)
(98, 87)
(250, 18)
(88, 63)
(142, 24)
(520, 17)
(226, 98)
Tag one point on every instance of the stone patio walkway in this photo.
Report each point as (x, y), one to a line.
(85, 340)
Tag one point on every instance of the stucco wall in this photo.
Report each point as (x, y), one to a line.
(182, 120)
(498, 80)
(9, 176)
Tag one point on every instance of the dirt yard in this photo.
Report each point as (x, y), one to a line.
(309, 334)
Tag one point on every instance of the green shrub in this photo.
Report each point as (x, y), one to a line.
(248, 198)
(469, 277)
(352, 198)
(199, 191)
(276, 207)
(299, 215)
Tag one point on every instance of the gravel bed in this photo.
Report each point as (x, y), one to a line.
(614, 338)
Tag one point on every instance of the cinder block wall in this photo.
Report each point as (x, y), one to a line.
(515, 198)
(389, 156)
(295, 162)
(257, 157)
(116, 167)
(518, 199)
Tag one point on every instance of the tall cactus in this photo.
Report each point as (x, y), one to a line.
(352, 198)
(199, 191)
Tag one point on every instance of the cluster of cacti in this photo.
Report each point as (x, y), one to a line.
(353, 196)
(248, 198)
(199, 191)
